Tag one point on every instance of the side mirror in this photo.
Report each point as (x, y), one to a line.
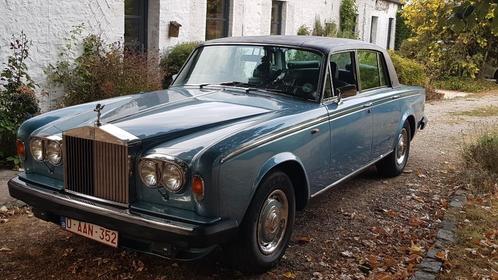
(346, 91)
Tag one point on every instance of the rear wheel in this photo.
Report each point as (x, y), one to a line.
(267, 226)
(393, 164)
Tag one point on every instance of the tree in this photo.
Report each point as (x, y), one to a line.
(453, 37)
(348, 14)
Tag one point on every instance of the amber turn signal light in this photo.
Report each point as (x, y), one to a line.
(21, 151)
(198, 187)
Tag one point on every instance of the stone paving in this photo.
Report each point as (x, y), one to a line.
(430, 266)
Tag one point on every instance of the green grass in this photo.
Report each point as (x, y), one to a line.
(465, 85)
(480, 159)
(486, 111)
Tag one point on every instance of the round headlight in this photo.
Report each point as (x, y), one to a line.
(148, 172)
(36, 147)
(172, 177)
(54, 152)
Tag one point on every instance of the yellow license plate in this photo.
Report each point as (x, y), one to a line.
(92, 231)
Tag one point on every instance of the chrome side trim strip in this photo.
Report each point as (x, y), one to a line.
(304, 125)
(352, 174)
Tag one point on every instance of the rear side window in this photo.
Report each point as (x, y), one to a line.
(373, 72)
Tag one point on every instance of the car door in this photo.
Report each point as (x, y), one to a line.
(350, 118)
(386, 107)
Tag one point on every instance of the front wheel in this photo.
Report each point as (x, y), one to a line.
(267, 226)
(393, 164)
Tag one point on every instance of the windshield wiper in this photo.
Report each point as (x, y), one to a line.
(231, 83)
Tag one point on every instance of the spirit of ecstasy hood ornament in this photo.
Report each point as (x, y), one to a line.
(98, 109)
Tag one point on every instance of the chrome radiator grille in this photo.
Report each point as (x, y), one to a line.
(96, 168)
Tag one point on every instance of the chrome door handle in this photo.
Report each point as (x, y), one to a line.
(395, 97)
(368, 105)
(315, 130)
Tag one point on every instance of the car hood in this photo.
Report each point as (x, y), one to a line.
(170, 113)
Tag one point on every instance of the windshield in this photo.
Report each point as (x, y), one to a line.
(275, 69)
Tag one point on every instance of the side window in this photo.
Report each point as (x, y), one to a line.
(342, 70)
(372, 70)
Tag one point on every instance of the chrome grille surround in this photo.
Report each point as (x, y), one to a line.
(96, 165)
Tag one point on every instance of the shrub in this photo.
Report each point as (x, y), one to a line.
(303, 30)
(101, 71)
(17, 98)
(412, 73)
(465, 84)
(174, 58)
(481, 162)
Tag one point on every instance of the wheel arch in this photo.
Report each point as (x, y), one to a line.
(291, 165)
(410, 118)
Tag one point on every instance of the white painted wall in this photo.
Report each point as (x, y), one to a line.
(47, 23)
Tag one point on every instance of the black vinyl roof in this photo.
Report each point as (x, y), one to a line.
(324, 44)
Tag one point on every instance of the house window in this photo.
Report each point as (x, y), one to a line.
(217, 18)
(389, 32)
(373, 30)
(276, 17)
(135, 35)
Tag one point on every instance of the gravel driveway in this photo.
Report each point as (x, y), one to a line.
(368, 227)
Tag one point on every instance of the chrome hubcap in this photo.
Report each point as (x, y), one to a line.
(272, 222)
(402, 146)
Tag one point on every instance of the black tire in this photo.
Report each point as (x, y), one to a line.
(246, 253)
(392, 165)
(496, 76)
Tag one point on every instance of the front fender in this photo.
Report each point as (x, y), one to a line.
(273, 162)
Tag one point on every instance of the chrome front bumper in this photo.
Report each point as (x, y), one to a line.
(143, 229)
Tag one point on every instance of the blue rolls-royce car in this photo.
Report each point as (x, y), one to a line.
(250, 130)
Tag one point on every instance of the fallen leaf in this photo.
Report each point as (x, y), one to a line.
(415, 222)
(389, 261)
(289, 275)
(303, 239)
(441, 255)
(415, 249)
(372, 261)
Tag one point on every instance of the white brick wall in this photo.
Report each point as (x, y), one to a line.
(48, 22)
